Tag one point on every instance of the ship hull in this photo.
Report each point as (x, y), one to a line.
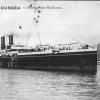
(73, 61)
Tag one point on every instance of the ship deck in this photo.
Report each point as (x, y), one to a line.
(63, 52)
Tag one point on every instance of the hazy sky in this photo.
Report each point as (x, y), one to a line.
(77, 20)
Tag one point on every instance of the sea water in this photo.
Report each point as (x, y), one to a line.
(17, 84)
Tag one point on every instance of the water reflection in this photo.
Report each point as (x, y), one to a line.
(47, 85)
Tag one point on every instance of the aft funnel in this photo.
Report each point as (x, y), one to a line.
(2, 42)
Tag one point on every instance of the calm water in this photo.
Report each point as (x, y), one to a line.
(47, 85)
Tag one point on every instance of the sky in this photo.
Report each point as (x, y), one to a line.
(65, 22)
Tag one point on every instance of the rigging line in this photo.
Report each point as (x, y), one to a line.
(79, 41)
(73, 38)
(39, 38)
(38, 33)
(28, 39)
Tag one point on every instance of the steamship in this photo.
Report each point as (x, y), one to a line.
(63, 57)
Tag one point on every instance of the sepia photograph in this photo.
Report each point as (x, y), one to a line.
(49, 50)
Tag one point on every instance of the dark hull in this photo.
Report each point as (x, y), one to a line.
(75, 61)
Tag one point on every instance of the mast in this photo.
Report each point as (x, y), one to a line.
(36, 20)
